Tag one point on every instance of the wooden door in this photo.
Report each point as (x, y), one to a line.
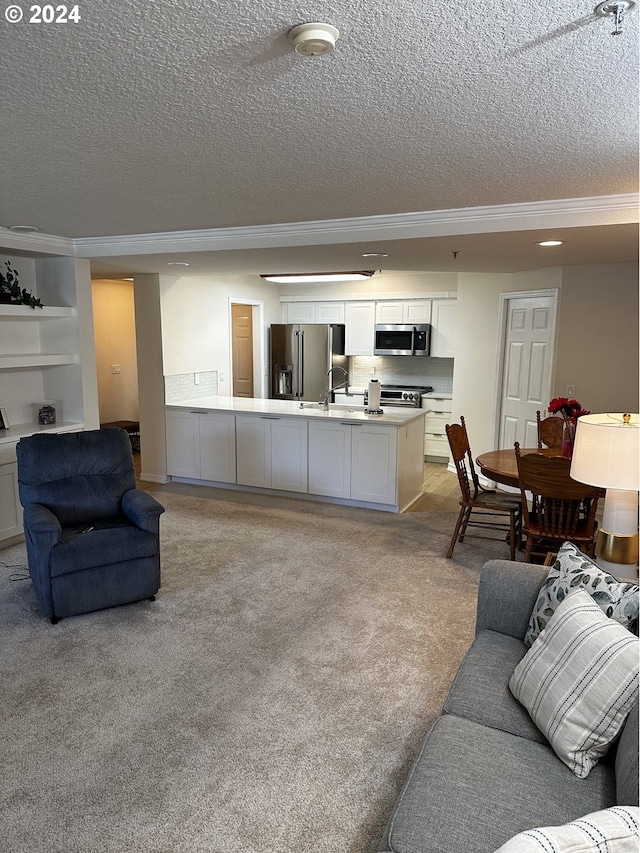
(242, 349)
(526, 378)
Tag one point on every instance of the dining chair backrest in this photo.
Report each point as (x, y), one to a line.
(462, 459)
(561, 508)
(549, 431)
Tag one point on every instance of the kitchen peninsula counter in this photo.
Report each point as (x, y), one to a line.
(342, 455)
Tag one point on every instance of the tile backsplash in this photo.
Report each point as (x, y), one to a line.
(402, 369)
(182, 386)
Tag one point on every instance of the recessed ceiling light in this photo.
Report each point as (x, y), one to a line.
(550, 243)
(24, 229)
(375, 255)
(317, 277)
(178, 264)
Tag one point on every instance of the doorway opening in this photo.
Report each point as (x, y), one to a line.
(116, 358)
(247, 361)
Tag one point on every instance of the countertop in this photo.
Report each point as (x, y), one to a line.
(287, 408)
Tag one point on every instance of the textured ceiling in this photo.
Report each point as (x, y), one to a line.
(196, 114)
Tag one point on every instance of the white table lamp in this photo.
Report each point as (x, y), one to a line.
(605, 454)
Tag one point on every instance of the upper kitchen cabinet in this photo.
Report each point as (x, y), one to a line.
(443, 328)
(359, 318)
(313, 312)
(405, 311)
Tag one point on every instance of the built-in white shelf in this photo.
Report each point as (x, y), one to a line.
(15, 433)
(39, 359)
(25, 312)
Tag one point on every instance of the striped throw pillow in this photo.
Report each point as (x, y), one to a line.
(579, 680)
(617, 828)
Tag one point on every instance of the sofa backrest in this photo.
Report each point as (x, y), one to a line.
(627, 761)
(79, 476)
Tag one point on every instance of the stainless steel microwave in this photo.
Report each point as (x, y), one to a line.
(402, 339)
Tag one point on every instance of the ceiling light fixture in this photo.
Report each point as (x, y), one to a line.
(313, 39)
(615, 9)
(547, 243)
(178, 264)
(24, 229)
(317, 277)
(375, 255)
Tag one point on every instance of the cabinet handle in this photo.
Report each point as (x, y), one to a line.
(344, 423)
(270, 417)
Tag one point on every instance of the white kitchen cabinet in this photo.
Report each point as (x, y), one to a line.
(443, 331)
(300, 312)
(272, 452)
(201, 445)
(329, 312)
(359, 318)
(183, 443)
(438, 415)
(330, 459)
(405, 311)
(356, 461)
(10, 507)
(313, 312)
(373, 463)
(253, 448)
(218, 447)
(289, 439)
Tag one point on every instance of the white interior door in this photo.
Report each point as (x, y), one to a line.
(528, 359)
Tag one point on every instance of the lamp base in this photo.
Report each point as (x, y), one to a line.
(617, 551)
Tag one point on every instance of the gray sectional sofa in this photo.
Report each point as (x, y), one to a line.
(485, 772)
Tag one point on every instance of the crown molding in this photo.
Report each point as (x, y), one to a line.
(36, 243)
(562, 213)
(527, 216)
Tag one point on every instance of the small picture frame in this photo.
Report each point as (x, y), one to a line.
(4, 420)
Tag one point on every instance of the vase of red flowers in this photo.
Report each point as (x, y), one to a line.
(570, 410)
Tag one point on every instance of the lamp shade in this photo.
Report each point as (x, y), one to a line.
(605, 452)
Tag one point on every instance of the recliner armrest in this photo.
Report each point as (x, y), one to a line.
(39, 519)
(507, 595)
(142, 509)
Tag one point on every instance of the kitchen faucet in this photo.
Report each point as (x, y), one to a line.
(328, 390)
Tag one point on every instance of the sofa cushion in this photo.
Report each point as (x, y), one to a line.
(627, 762)
(616, 829)
(473, 788)
(480, 691)
(574, 569)
(579, 681)
(114, 541)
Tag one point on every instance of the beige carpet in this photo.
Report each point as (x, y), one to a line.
(271, 699)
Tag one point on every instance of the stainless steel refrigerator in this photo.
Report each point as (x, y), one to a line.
(301, 355)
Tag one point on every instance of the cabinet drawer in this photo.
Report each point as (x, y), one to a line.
(437, 406)
(436, 423)
(435, 445)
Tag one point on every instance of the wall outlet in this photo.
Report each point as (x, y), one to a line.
(196, 378)
(116, 368)
(221, 376)
(570, 391)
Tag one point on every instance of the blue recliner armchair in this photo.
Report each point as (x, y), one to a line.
(93, 539)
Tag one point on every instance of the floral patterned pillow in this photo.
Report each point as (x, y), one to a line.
(571, 569)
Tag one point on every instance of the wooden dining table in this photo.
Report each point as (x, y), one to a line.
(501, 466)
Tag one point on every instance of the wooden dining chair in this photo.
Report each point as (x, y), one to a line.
(486, 505)
(549, 431)
(557, 508)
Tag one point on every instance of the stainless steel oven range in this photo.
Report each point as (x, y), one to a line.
(401, 395)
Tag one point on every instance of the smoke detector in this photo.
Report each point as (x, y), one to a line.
(313, 39)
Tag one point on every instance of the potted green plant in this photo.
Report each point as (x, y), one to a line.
(10, 291)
